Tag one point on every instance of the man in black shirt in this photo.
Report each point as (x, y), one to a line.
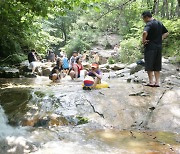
(32, 60)
(154, 33)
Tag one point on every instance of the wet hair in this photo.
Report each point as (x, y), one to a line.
(57, 61)
(75, 52)
(77, 59)
(95, 63)
(33, 50)
(147, 14)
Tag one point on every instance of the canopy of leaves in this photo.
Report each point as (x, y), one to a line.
(77, 24)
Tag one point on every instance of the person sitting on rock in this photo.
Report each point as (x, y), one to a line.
(72, 60)
(95, 73)
(32, 58)
(77, 67)
(56, 73)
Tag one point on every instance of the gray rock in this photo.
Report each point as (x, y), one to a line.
(116, 67)
(29, 75)
(166, 116)
(7, 72)
(46, 71)
(105, 70)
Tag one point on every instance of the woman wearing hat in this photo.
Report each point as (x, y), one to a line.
(95, 73)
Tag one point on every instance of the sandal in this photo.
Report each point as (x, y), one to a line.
(149, 85)
(156, 85)
(86, 88)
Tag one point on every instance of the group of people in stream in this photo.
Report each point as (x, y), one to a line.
(74, 70)
(153, 34)
(72, 67)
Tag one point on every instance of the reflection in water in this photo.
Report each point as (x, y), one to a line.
(57, 118)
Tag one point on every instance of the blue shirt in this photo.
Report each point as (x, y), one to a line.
(65, 63)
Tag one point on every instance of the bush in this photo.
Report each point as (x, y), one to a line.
(76, 45)
(111, 60)
(130, 50)
(14, 59)
(171, 45)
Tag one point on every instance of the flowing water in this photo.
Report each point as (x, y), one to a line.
(41, 117)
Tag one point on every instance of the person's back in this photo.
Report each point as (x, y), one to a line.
(155, 30)
(51, 57)
(154, 33)
(65, 63)
(31, 57)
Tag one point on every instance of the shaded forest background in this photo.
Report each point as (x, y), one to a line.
(77, 25)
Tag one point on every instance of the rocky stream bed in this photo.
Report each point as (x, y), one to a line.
(40, 117)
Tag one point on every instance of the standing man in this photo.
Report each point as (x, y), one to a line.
(154, 33)
(32, 60)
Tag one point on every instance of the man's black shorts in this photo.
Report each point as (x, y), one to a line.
(153, 58)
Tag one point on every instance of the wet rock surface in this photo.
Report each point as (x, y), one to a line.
(6, 72)
(125, 118)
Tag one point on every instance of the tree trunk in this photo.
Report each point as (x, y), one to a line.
(148, 3)
(63, 28)
(155, 7)
(163, 9)
(167, 9)
(172, 9)
(178, 8)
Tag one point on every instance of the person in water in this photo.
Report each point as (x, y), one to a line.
(77, 67)
(95, 73)
(32, 60)
(56, 73)
(65, 64)
(72, 60)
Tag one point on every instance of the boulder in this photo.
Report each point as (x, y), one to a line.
(166, 116)
(117, 67)
(134, 68)
(29, 75)
(103, 60)
(105, 70)
(140, 77)
(24, 63)
(164, 60)
(23, 69)
(46, 71)
(7, 72)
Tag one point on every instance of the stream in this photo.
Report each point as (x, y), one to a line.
(41, 117)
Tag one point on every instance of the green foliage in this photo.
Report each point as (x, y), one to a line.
(130, 50)
(22, 23)
(13, 59)
(39, 94)
(82, 120)
(76, 25)
(111, 60)
(76, 45)
(172, 43)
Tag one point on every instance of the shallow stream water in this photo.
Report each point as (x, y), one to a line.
(41, 117)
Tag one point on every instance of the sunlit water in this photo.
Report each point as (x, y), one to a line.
(33, 126)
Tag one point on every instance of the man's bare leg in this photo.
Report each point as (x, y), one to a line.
(157, 77)
(150, 76)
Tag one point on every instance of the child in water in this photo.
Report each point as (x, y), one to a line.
(95, 73)
(56, 73)
(65, 64)
(77, 67)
